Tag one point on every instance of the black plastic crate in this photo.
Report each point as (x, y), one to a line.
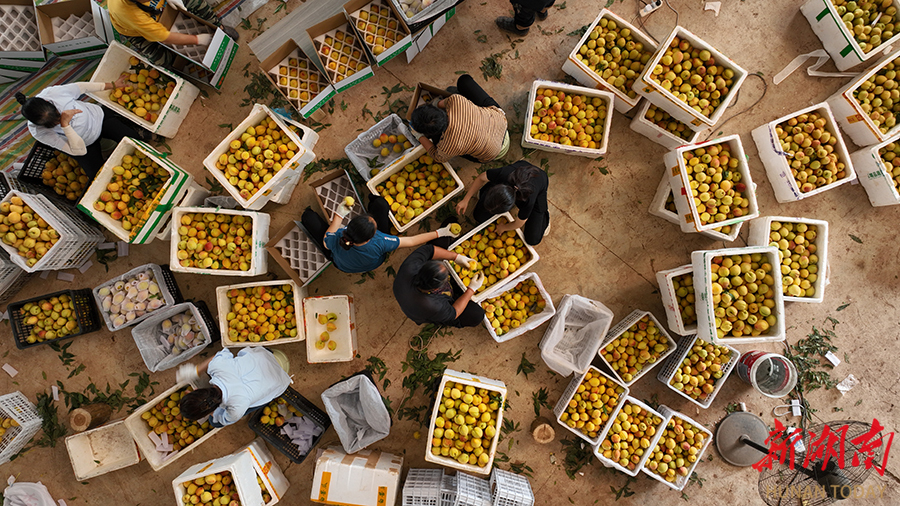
(214, 334)
(272, 434)
(172, 285)
(4, 187)
(33, 168)
(85, 311)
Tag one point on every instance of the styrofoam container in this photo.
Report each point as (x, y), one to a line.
(302, 157)
(759, 236)
(775, 160)
(620, 328)
(684, 202)
(114, 62)
(681, 481)
(258, 239)
(139, 432)
(361, 146)
(675, 361)
(344, 335)
(267, 469)
(167, 296)
(173, 190)
(570, 392)
(836, 39)
(615, 465)
(670, 300)
(561, 347)
(852, 120)
(534, 321)
(587, 77)
(478, 382)
(510, 489)
(397, 166)
(194, 196)
(224, 307)
(706, 321)
(878, 183)
(665, 100)
(530, 142)
(478, 297)
(243, 476)
(146, 336)
(102, 450)
(661, 197)
(661, 136)
(16, 406)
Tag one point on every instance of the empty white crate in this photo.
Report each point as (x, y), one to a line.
(422, 487)
(573, 337)
(16, 406)
(760, 236)
(528, 141)
(843, 48)
(510, 489)
(634, 317)
(102, 450)
(472, 491)
(534, 321)
(676, 361)
(874, 176)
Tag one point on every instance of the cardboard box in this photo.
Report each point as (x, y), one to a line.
(21, 65)
(297, 254)
(86, 42)
(366, 478)
(21, 36)
(218, 56)
(430, 92)
(330, 192)
(282, 57)
(402, 38)
(330, 30)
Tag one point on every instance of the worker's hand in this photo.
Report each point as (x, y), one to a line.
(476, 282)
(446, 232)
(203, 39)
(462, 207)
(466, 262)
(342, 210)
(178, 4)
(66, 116)
(186, 373)
(121, 82)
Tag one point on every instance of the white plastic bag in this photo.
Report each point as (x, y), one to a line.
(357, 412)
(361, 148)
(574, 334)
(146, 336)
(26, 494)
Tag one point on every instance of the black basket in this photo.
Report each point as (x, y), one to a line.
(172, 285)
(4, 187)
(33, 168)
(85, 311)
(214, 334)
(272, 434)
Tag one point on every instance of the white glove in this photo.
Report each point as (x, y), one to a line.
(466, 262)
(342, 211)
(476, 282)
(186, 373)
(445, 232)
(203, 39)
(178, 4)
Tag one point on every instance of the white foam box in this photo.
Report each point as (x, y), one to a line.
(587, 77)
(486, 292)
(290, 167)
(852, 120)
(843, 48)
(79, 39)
(668, 102)
(706, 320)
(139, 432)
(566, 355)
(297, 254)
(114, 62)
(329, 28)
(598, 450)
(388, 12)
(478, 382)
(267, 469)
(365, 478)
(224, 307)
(243, 475)
(623, 326)
(759, 236)
(662, 196)
(408, 158)
(675, 362)
(534, 321)
(874, 177)
(661, 136)
(282, 58)
(102, 450)
(426, 12)
(530, 142)
(258, 240)
(20, 38)
(194, 196)
(331, 190)
(684, 202)
(681, 481)
(775, 160)
(172, 191)
(670, 300)
(344, 335)
(570, 392)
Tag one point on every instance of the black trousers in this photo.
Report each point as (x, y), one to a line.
(378, 208)
(473, 314)
(534, 226)
(526, 10)
(113, 128)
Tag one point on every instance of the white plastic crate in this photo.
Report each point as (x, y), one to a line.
(344, 335)
(676, 360)
(530, 142)
(570, 392)
(670, 300)
(422, 487)
(706, 321)
(836, 39)
(397, 166)
(873, 176)
(661, 136)
(852, 120)
(660, 199)
(267, 470)
(448, 490)
(681, 481)
(297, 254)
(12, 278)
(361, 149)
(598, 451)
(478, 382)
(510, 489)
(258, 239)
(688, 215)
(573, 337)
(224, 307)
(114, 62)
(167, 296)
(302, 156)
(146, 336)
(478, 297)
(775, 160)
(472, 490)
(238, 465)
(194, 196)
(759, 236)
(102, 450)
(534, 321)
(620, 328)
(16, 406)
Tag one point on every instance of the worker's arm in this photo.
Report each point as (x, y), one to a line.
(407, 242)
(336, 221)
(460, 305)
(515, 224)
(183, 39)
(476, 185)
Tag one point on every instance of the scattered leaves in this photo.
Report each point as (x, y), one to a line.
(525, 366)
(491, 66)
(539, 399)
(104, 257)
(578, 454)
(624, 491)
(215, 188)
(732, 407)
(378, 368)
(63, 349)
(522, 468)
(425, 372)
(227, 126)
(843, 306)
(365, 276)
(389, 270)
(855, 239)
(326, 165)
(578, 32)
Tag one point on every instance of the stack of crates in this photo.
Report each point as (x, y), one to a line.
(12, 278)
(16, 406)
(510, 489)
(422, 487)
(432, 487)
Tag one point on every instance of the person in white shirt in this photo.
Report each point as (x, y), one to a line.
(58, 119)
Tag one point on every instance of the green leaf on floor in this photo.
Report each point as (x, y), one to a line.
(105, 256)
(843, 306)
(540, 399)
(578, 454)
(389, 270)
(561, 6)
(522, 468)
(215, 188)
(625, 491)
(228, 126)
(855, 239)
(491, 66)
(578, 32)
(526, 367)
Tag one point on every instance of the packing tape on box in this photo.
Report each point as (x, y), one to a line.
(812, 70)
(371, 460)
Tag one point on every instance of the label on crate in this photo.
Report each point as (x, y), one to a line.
(854, 119)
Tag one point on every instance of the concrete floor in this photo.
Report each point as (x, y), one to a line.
(603, 245)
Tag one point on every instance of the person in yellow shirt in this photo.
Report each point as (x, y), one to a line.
(139, 19)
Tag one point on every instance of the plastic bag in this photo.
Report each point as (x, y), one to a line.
(574, 334)
(27, 494)
(361, 148)
(357, 412)
(147, 333)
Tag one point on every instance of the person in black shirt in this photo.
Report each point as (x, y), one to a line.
(520, 184)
